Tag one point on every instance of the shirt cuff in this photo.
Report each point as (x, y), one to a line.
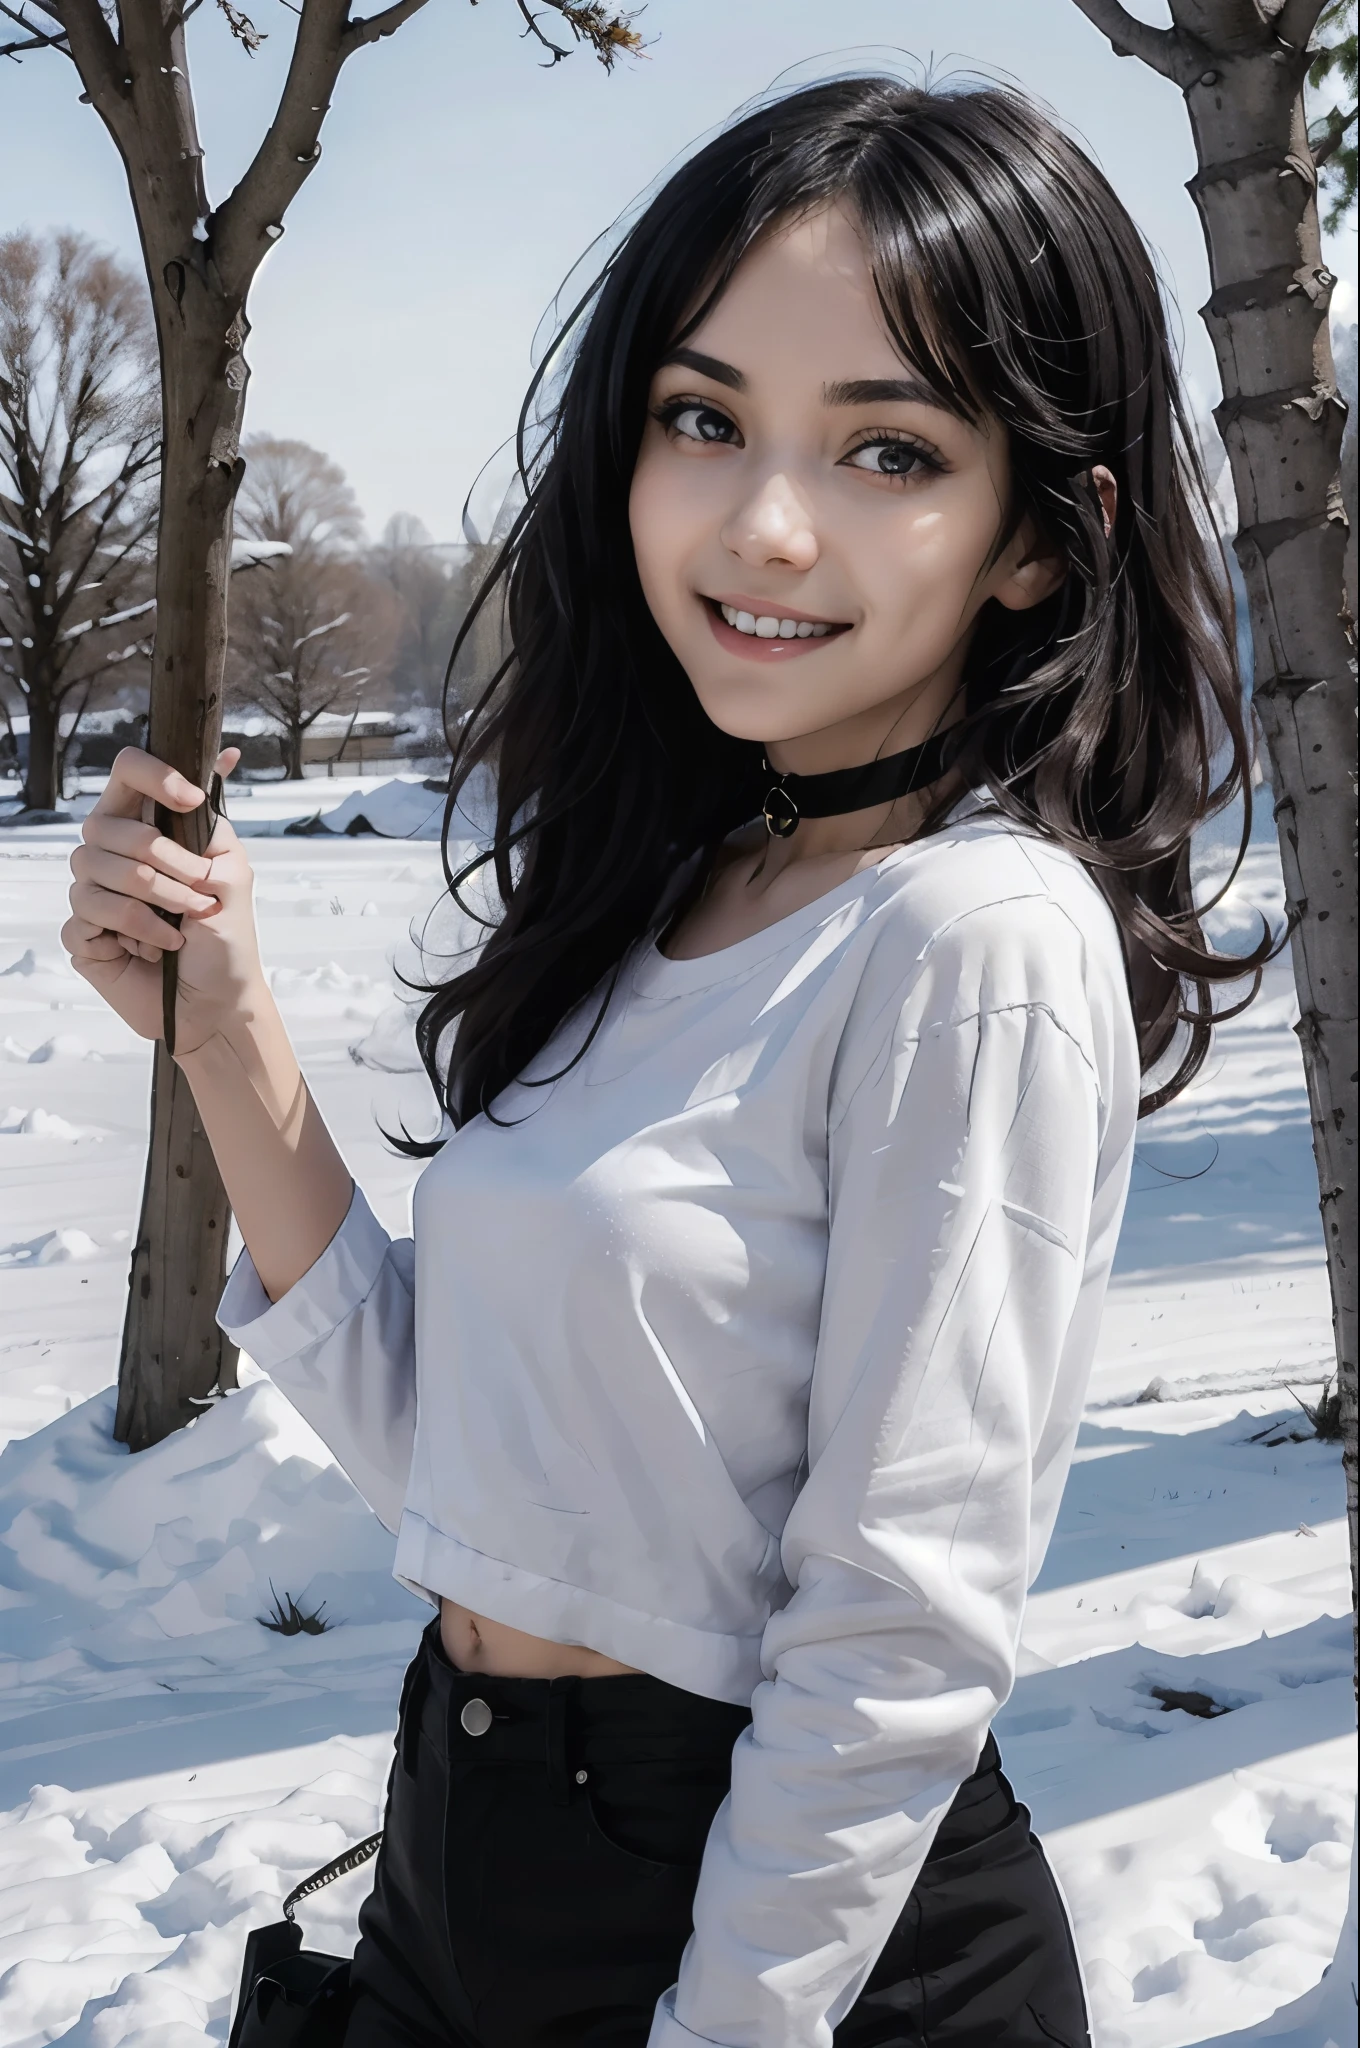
(272, 1332)
(668, 2031)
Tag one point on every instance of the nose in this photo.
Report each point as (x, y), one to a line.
(774, 525)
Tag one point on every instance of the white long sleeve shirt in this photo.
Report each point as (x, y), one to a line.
(751, 1352)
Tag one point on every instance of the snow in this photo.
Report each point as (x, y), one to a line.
(245, 553)
(169, 1768)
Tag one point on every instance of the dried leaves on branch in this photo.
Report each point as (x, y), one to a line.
(609, 32)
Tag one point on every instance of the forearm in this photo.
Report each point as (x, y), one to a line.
(287, 1184)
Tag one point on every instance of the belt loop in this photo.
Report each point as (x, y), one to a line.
(412, 1707)
(559, 1786)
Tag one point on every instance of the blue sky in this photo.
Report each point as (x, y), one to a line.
(461, 181)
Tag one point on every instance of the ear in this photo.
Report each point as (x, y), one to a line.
(1028, 572)
(1107, 490)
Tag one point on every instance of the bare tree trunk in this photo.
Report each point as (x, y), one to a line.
(40, 783)
(290, 746)
(173, 1353)
(1241, 68)
(1282, 419)
(200, 262)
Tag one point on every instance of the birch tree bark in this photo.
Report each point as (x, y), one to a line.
(1241, 65)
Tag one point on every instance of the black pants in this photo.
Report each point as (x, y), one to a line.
(535, 1883)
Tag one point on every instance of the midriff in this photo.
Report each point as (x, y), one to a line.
(472, 1642)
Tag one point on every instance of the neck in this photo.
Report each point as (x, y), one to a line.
(857, 831)
(881, 730)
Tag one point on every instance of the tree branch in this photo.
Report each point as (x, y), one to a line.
(1158, 47)
(556, 51)
(240, 228)
(38, 38)
(385, 23)
(1296, 20)
(96, 55)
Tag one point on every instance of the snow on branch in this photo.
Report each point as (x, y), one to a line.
(22, 538)
(245, 554)
(135, 611)
(317, 631)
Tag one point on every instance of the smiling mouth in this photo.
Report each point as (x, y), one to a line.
(772, 625)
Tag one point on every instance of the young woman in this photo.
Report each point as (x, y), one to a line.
(871, 668)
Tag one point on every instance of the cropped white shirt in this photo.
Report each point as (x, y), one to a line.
(751, 1352)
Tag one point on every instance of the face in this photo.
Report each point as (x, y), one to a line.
(814, 532)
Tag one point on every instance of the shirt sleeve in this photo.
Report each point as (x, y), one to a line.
(961, 1175)
(341, 1345)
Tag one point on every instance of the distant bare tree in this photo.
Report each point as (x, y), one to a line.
(309, 631)
(79, 454)
(424, 579)
(291, 492)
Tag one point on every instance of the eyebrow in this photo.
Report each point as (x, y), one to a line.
(856, 391)
(707, 366)
(882, 391)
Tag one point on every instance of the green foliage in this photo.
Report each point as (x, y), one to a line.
(1332, 134)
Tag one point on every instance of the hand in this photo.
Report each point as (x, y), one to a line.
(123, 867)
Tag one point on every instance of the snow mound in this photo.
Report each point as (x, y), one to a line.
(399, 809)
(53, 1248)
(331, 979)
(63, 1045)
(183, 1541)
(39, 1123)
(131, 1587)
(390, 1046)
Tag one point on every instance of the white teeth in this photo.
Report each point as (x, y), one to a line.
(766, 627)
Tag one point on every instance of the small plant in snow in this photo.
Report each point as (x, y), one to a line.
(288, 1619)
(1324, 1413)
(337, 907)
(1201, 1704)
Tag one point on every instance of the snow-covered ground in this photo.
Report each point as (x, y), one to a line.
(169, 1767)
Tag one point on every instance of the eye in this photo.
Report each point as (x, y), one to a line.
(891, 455)
(690, 419)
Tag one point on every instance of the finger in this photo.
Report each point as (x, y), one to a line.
(140, 879)
(86, 941)
(137, 777)
(227, 760)
(143, 843)
(114, 912)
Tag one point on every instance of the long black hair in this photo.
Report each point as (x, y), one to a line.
(1108, 718)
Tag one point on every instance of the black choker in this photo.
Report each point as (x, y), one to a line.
(793, 797)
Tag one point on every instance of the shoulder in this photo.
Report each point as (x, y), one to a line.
(983, 917)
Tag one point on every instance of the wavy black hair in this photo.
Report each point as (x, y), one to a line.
(1108, 718)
